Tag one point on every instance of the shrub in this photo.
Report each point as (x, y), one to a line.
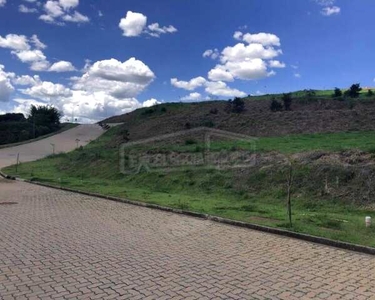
(370, 93)
(276, 105)
(208, 123)
(287, 99)
(214, 111)
(163, 109)
(354, 91)
(337, 93)
(238, 105)
(190, 142)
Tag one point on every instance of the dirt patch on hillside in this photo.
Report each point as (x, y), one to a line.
(256, 120)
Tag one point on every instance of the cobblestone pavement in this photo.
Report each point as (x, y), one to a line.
(61, 245)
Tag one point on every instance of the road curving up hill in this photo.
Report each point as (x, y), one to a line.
(63, 142)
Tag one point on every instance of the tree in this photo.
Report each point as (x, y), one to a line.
(287, 99)
(45, 116)
(238, 105)
(337, 93)
(354, 90)
(370, 93)
(276, 105)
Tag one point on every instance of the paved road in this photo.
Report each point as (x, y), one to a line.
(64, 142)
(61, 245)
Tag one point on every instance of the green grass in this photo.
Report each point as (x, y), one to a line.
(256, 197)
(362, 140)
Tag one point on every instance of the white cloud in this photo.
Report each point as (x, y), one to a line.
(220, 88)
(155, 30)
(238, 35)
(329, 11)
(211, 53)
(26, 80)
(30, 56)
(134, 24)
(40, 66)
(26, 10)
(265, 39)
(67, 4)
(37, 43)
(242, 52)
(2, 3)
(150, 102)
(325, 2)
(219, 73)
(76, 17)
(47, 91)
(297, 75)
(53, 9)
(21, 47)
(192, 97)
(59, 12)
(62, 66)
(14, 42)
(6, 88)
(188, 85)
(248, 61)
(276, 64)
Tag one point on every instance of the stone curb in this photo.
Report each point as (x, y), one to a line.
(277, 231)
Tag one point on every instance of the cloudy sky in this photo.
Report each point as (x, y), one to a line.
(97, 58)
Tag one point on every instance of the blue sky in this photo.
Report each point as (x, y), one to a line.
(95, 58)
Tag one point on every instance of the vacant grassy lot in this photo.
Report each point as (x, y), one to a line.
(254, 196)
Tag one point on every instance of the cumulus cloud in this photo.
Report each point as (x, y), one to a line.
(189, 85)
(220, 88)
(76, 17)
(61, 11)
(30, 56)
(253, 58)
(6, 88)
(249, 59)
(134, 24)
(219, 73)
(26, 10)
(2, 3)
(26, 80)
(276, 64)
(329, 11)
(107, 88)
(14, 42)
(30, 51)
(192, 97)
(47, 91)
(150, 102)
(62, 66)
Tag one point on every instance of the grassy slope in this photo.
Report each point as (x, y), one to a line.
(95, 168)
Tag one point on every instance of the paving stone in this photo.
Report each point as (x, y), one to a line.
(61, 245)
